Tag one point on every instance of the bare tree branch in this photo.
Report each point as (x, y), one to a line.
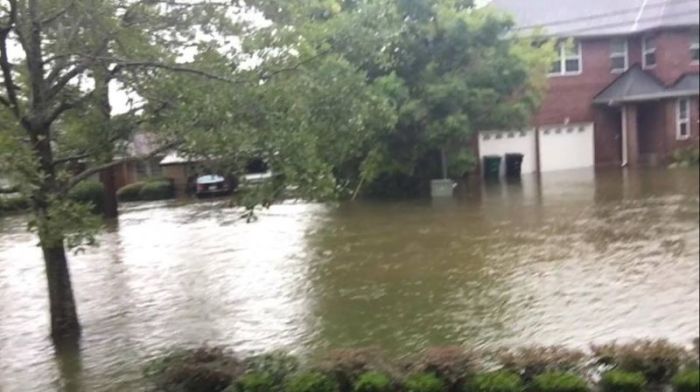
(96, 169)
(122, 64)
(81, 67)
(68, 105)
(72, 158)
(5, 65)
(263, 75)
(57, 14)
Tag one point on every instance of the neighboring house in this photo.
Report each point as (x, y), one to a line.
(181, 171)
(623, 90)
(139, 165)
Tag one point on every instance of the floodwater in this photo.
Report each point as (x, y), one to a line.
(571, 259)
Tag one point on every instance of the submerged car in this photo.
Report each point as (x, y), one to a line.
(212, 185)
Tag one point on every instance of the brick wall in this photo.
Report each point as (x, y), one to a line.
(672, 143)
(673, 55)
(570, 97)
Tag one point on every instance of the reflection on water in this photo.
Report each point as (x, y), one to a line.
(570, 258)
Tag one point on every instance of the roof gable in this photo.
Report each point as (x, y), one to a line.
(635, 85)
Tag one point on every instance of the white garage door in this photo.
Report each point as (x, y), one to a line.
(506, 142)
(565, 147)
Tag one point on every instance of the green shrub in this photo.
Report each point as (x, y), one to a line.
(13, 202)
(277, 366)
(501, 381)
(687, 381)
(451, 364)
(424, 382)
(559, 382)
(622, 381)
(658, 360)
(312, 381)
(347, 365)
(131, 192)
(373, 382)
(204, 369)
(686, 156)
(89, 192)
(157, 190)
(532, 361)
(254, 382)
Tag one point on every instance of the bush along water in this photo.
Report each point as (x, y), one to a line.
(622, 381)
(687, 381)
(90, 193)
(150, 190)
(631, 367)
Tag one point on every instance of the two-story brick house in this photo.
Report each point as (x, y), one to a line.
(623, 90)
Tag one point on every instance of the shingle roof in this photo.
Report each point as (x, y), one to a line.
(688, 83)
(579, 18)
(635, 85)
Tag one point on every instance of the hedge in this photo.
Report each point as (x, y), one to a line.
(451, 369)
(12, 203)
(157, 190)
(153, 189)
(86, 192)
(89, 192)
(130, 192)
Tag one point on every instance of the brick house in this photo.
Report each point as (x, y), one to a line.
(623, 90)
(139, 165)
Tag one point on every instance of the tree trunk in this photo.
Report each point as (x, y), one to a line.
(104, 108)
(108, 180)
(64, 317)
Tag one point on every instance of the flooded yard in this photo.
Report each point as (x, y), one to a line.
(571, 258)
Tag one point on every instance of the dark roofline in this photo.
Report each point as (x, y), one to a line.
(620, 76)
(594, 35)
(665, 93)
(648, 97)
(680, 78)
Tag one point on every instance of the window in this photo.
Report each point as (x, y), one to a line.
(618, 55)
(648, 52)
(683, 119)
(695, 46)
(568, 60)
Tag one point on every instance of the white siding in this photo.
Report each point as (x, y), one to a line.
(505, 142)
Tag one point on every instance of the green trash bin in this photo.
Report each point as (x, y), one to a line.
(492, 166)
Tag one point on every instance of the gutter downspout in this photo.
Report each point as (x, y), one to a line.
(624, 136)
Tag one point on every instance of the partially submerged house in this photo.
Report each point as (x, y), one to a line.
(622, 91)
(140, 163)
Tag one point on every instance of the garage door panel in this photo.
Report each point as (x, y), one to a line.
(564, 147)
(505, 142)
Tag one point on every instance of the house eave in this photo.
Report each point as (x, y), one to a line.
(646, 97)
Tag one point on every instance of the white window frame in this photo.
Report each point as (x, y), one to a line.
(694, 45)
(562, 57)
(680, 121)
(626, 54)
(646, 51)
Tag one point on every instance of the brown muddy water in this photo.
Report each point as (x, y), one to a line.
(571, 259)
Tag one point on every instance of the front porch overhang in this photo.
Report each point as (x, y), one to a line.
(635, 85)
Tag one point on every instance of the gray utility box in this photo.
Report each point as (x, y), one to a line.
(441, 188)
